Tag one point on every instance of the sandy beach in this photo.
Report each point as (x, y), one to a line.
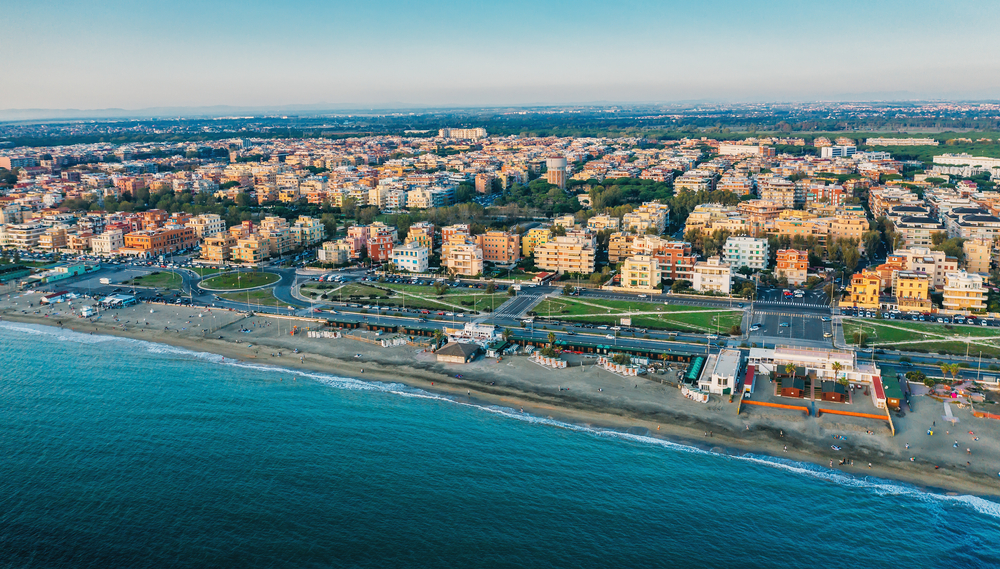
(953, 460)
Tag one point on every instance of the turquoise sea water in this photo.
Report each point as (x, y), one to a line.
(120, 453)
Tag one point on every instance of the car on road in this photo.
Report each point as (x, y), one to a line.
(826, 319)
(609, 336)
(755, 327)
(827, 335)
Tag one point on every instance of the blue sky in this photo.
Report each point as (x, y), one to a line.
(112, 53)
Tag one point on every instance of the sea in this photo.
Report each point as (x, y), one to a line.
(124, 453)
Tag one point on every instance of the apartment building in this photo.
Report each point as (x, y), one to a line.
(603, 222)
(566, 254)
(108, 243)
(735, 183)
(421, 233)
(925, 260)
(742, 251)
(410, 257)
(463, 133)
(463, 257)
(620, 246)
(804, 228)
(533, 238)
(53, 239)
(864, 291)
(207, 225)
(307, 231)
(912, 290)
(651, 216)
(704, 216)
(778, 190)
(964, 293)
(252, 249)
(450, 231)
(500, 247)
(792, 265)
(161, 241)
(978, 256)
(218, 249)
(712, 275)
(334, 252)
(640, 273)
(278, 234)
(21, 235)
(848, 227)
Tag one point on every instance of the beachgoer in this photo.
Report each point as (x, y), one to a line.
(869, 465)
(786, 448)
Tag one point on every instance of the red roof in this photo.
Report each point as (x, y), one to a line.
(877, 384)
(749, 377)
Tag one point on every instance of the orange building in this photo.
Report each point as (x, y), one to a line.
(153, 242)
(500, 247)
(793, 264)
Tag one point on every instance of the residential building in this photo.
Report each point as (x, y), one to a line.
(848, 227)
(838, 151)
(712, 276)
(334, 252)
(463, 257)
(307, 231)
(218, 249)
(207, 225)
(620, 246)
(640, 274)
(22, 235)
(978, 255)
(53, 239)
(422, 233)
(603, 222)
(792, 265)
(463, 133)
(923, 259)
(410, 257)
(533, 238)
(649, 217)
(742, 251)
(864, 291)
(251, 250)
(500, 247)
(964, 293)
(566, 254)
(912, 291)
(161, 241)
(108, 243)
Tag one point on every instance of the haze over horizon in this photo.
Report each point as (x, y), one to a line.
(113, 54)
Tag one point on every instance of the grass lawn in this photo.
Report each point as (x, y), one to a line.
(688, 322)
(888, 332)
(568, 306)
(164, 279)
(262, 297)
(205, 271)
(953, 348)
(234, 281)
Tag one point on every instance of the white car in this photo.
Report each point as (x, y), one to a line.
(609, 336)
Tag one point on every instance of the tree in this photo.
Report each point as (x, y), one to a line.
(438, 337)
(506, 334)
(871, 240)
(851, 258)
(552, 338)
(790, 370)
(945, 368)
(568, 290)
(837, 366)
(491, 288)
(954, 369)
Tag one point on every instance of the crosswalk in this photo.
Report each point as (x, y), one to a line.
(790, 303)
(517, 306)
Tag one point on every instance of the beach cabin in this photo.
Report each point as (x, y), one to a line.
(891, 388)
(457, 352)
(834, 391)
(793, 387)
(55, 297)
(748, 379)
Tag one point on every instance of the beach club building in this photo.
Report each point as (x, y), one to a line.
(817, 365)
(721, 372)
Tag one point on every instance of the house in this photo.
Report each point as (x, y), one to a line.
(891, 388)
(793, 387)
(721, 372)
(457, 353)
(833, 391)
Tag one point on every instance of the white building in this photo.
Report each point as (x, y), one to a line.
(108, 243)
(743, 251)
(410, 257)
(206, 225)
(837, 151)
(721, 372)
(712, 275)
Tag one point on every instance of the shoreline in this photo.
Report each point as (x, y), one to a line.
(627, 417)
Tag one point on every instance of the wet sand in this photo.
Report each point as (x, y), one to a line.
(582, 394)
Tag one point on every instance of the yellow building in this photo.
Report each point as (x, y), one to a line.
(848, 227)
(567, 254)
(533, 238)
(218, 249)
(978, 253)
(253, 249)
(463, 258)
(912, 290)
(640, 274)
(864, 291)
(964, 292)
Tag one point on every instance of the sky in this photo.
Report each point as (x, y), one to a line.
(87, 54)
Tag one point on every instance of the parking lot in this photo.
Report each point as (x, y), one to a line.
(920, 317)
(815, 297)
(777, 326)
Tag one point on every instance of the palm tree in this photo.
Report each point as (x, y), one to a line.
(790, 370)
(945, 368)
(552, 338)
(506, 334)
(837, 366)
(954, 369)
(438, 337)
